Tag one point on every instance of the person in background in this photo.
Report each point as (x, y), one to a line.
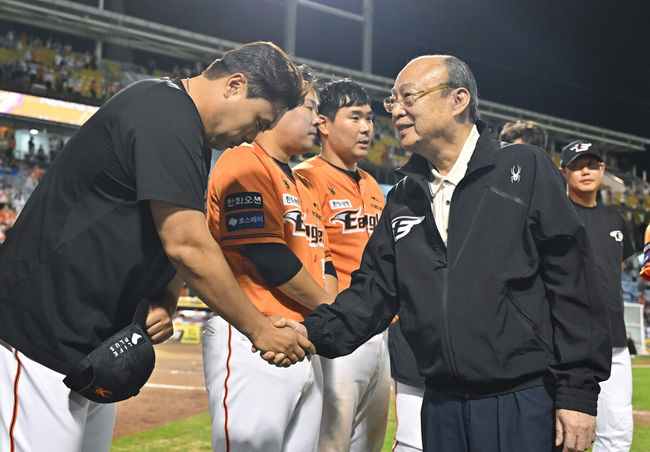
(583, 168)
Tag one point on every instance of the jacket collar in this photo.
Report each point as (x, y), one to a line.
(484, 154)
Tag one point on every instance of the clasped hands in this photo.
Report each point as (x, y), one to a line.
(282, 342)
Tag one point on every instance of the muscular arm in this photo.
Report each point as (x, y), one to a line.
(200, 263)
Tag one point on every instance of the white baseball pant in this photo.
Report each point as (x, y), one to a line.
(355, 399)
(408, 405)
(615, 422)
(38, 412)
(256, 406)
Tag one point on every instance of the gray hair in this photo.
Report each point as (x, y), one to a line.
(460, 76)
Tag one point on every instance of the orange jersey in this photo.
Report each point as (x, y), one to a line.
(252, 200)
(350, 212)
(645, 270)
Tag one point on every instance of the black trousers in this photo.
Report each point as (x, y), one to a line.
(521, 421)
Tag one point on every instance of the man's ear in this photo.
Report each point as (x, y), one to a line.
(236, 84)
(323, 127)
(563, 171)
(460, 100)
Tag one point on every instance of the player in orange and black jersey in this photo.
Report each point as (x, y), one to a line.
(271, 229)
(357, 386)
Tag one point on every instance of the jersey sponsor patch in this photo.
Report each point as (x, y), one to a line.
(290, 200)
(402, 226)
(244, 200)
(340, 204)
(245, 220)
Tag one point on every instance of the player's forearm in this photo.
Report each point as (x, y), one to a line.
(200, 263)
(331, 286)
(206, 271)
(305, 290)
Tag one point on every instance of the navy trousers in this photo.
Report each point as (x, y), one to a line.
(522, 421)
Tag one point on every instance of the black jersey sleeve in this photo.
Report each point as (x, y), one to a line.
(275, 262)
(166, 143)
(330, 269)
(628, 242)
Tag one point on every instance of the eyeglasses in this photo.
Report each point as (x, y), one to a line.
(409, 98)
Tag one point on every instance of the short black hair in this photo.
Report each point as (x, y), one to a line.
(529, 132)
(271, 75)
(339, 94)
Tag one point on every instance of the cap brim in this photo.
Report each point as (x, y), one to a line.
(580, 155)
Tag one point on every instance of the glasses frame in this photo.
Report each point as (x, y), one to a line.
(410, 98)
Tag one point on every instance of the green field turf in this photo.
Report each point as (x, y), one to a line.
(193, 434)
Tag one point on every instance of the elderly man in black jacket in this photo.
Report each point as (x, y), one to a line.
(487, 264)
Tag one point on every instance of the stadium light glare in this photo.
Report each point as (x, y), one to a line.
(33, 132)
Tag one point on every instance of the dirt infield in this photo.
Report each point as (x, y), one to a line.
(176, 390)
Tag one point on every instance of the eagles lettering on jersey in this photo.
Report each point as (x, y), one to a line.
(355, 221)
(312, 232)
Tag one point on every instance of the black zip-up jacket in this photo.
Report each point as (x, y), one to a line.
(506, 305)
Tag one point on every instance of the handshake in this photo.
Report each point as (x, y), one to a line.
(281, 342)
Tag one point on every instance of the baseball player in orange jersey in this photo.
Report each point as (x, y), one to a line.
(645, 269)
(357, 386)
(271, 230)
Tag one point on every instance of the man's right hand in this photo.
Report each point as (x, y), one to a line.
(279, 345)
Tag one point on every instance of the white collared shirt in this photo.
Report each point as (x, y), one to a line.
(442, 187)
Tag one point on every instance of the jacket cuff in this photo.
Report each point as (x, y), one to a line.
(576, 400)
(314, 333)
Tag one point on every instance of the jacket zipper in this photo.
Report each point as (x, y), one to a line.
(446, 336)
(445, 327)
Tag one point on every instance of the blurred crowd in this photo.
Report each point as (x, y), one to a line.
(48, 66)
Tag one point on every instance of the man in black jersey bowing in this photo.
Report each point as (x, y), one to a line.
(117, 215)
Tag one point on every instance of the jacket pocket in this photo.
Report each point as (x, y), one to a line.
(527, 321)
(505, 195)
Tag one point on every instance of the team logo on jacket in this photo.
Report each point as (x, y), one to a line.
(311, 232)
(355, 221)
(617, 235)
(515, 174)
(403, 225)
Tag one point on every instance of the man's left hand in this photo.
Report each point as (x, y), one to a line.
(575, 430)
(159, 324)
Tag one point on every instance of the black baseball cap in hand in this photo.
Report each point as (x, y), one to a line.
(577, 149)
(119, 367)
